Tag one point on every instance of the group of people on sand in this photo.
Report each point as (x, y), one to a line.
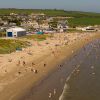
(23, 63)
(54, 52)
(61, 39)
(32, 69)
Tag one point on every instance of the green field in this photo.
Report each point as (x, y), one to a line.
(50, 12)
(83, 21)
(9, 45)
(29, 11)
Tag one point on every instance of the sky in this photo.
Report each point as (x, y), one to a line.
(70, 5)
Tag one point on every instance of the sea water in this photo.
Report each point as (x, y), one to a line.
(84, 82)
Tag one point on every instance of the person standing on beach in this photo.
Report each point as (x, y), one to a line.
(24, 63)
(50, 95)
(44, 64)
(18, 64)
(33, 64)
(54, 91)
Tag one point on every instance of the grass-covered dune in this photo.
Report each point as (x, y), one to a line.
(37, 37)
(10, 45)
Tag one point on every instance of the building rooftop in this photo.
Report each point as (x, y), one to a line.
(16, 29)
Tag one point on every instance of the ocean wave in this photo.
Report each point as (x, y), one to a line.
(66, 88)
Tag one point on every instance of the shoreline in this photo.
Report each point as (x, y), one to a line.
(50, 83)
(17, 86)
(85, 75)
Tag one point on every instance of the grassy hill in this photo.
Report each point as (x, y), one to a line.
(50, 12)
(85, 21)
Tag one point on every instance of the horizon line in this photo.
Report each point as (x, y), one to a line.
(52, 9)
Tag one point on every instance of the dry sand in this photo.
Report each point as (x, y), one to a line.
(22, 70)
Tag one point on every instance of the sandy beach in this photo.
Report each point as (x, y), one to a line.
(19, 71)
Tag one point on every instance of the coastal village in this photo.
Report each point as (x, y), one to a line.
(38, 22)
(33, 23)
(31, 46)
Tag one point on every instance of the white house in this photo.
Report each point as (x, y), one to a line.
(89, 28)
(62, 26)
(15, 32)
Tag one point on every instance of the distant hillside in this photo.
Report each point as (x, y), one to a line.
(50, 12)
(84, 21)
